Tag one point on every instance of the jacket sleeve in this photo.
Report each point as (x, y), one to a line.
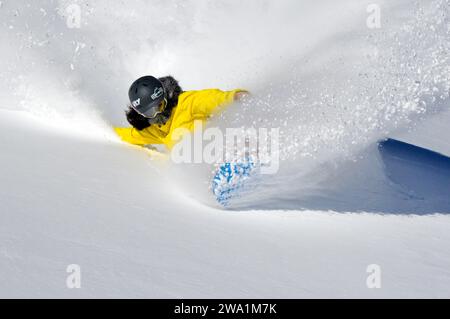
(207, 102)
(133, 136)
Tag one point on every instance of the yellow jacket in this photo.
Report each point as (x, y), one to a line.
(192, 106)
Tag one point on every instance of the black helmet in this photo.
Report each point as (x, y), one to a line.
(147, 96)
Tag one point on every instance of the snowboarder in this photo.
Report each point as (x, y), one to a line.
(159, 106)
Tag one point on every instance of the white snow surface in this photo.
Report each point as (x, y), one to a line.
(71, 193)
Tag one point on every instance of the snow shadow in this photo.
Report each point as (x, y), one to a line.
(392, 178)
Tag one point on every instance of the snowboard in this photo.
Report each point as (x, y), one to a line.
(233, 179)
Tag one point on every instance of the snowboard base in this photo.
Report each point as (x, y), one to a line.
(231, 180)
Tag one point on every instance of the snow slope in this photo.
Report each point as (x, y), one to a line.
(71, 193)
(138, 240)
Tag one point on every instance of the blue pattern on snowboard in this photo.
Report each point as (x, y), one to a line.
(230, 179)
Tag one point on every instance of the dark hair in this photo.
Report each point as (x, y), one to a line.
(136, 120)
(173, 91)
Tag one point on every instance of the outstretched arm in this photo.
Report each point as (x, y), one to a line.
(210, 101)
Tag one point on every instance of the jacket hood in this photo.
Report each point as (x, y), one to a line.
(172, 89)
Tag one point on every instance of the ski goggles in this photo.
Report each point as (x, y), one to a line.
(151, 111)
